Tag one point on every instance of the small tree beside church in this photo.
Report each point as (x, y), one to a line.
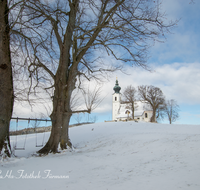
(130, 97)
(154, 97)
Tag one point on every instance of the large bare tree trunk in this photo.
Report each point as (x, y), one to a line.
(133, 110)
(6, 81)
(65, 80)
(58, 110)
(153, 118)
(61, 114)
(57, 119)
(65, 141)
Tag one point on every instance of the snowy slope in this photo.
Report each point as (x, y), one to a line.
(113, 156)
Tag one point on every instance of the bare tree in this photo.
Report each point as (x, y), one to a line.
(64, 42)
(92, 98)
(153, 96)
(130, 97)
(171, 110)
(10, 11)
(6, 83)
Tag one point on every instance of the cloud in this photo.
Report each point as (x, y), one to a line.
(179, 81)
(36, 110)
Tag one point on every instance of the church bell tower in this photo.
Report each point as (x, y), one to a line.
(116, 100)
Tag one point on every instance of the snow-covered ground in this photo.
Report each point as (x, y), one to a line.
(113, 156)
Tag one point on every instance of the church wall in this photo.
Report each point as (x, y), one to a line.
(116, 105)
(149, 115)
(119, 111)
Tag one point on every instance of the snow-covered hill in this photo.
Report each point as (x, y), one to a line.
(113, 156)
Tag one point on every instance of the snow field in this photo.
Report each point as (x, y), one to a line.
(114, 156)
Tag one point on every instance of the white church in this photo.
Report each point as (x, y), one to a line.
(122, 112)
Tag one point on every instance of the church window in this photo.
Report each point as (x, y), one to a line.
(115, 98)
(146, 115)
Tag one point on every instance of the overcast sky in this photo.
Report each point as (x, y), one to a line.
(175, 67)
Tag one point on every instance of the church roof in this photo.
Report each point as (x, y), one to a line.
(117, 88)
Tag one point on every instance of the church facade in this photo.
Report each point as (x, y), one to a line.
(122, 112)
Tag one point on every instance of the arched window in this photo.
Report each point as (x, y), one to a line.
(127, 112)
(146, 115)
(115, 98)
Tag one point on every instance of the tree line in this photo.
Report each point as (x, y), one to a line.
(54, 46)
(155, 98)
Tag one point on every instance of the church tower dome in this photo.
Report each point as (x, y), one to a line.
(117, 88)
